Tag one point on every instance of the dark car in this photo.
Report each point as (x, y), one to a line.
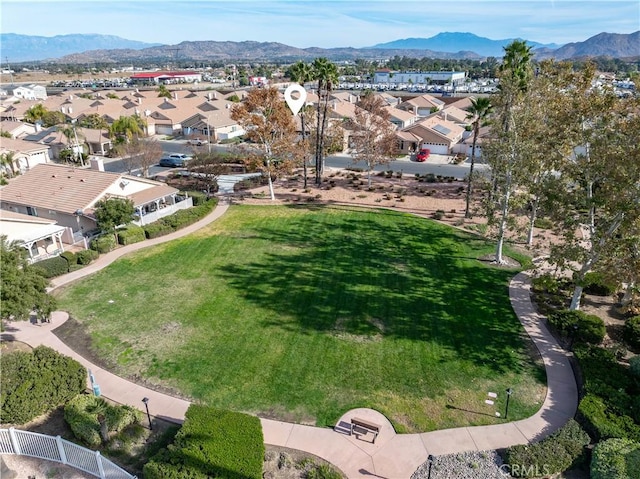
(174, 160)
(423, 154)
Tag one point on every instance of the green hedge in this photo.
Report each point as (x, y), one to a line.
(86, 256)
(611, 406)
(634, 366)
(212, 443)
(178, 220)
(33, 383)
(616, 459)
(594, 283)
(631, 332)
(52, 267)
(130, 234)
(104, 244)
(198, 197)
(590, 328)
(560, 451)
(70, 257)
(81, 413)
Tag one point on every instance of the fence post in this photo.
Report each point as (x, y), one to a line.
(100, 468)
(63, 455)
(14, 442)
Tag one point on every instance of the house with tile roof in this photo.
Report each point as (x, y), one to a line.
(437, 134)
(26, 154)
(68, 195)
(423, 105)
(41, 237)
(17, 129)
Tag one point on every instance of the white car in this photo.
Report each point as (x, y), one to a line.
(174, 160)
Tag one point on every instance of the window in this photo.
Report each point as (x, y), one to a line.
(31, 211)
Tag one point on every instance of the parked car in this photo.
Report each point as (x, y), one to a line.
(423, 154)
(197, 142)
(174, 160)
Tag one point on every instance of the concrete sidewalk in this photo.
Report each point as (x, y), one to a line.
(392, 456)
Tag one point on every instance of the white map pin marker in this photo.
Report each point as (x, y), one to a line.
(295, 103)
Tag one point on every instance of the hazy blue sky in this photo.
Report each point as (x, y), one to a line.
(354, 23)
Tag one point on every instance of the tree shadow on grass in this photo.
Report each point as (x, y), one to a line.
(382, 273)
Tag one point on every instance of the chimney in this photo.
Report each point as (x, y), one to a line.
(175, 95)
(209, 96)
(70, 110)
(166, 100)
(63, 109)
(215, 95)
(70, 97)
(139, 101)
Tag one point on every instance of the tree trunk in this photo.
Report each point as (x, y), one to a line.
(271, 192)
(532, 220)
(503, 221)
(467, 212)
(304, 156)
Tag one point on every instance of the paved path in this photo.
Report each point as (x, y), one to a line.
(392, 456)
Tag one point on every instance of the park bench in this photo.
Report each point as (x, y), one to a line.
(367, 425)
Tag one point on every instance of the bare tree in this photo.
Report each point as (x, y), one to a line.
(373, 139)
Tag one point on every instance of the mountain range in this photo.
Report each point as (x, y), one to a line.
(93, 48)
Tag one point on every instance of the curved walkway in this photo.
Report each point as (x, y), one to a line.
(392, 456)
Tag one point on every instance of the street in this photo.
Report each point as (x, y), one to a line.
(435, 164)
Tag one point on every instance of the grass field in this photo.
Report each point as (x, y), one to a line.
(301, 313)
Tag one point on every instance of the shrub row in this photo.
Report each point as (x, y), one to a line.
(104, 244)
(130, 234)
(178, 220)
(611, 406)
(616, 459)
(212, 443)
(585, 328)
(557, 453)
(82, 414)
(36, 382)
(631, 332)
(52, 267)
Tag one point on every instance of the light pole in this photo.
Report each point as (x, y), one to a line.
(431, 458)
(506, 411)
(209, 134)
(145, 400)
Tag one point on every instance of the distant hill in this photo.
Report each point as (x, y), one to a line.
(21, 48)
(613, 45)
(452, 42)
(111, 49)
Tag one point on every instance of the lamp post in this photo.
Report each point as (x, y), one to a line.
(145, 400)
(209, 134)
(506, 411)
(431, 458)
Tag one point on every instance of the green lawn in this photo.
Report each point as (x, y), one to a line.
(303, 313)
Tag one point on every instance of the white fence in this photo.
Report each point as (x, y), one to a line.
(56, 449)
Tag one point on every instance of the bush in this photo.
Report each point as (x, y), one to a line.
(634, 366)
(616, 459)
(70, 257)
(594, 283)
(543, 223)
(587, 328)
(212, 443)
(557, 453)
(198, 197)
(130, 234)
(86, 256)
(545, 283)
(82, 412)
(631, 332)
(104, 244)
(33, 383)
(52, 267)
(603, 422)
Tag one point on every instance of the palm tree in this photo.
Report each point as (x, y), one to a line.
(8, 160)
(479, 111)
(71, 134)
(35, 113)
(127, 127)
(326, 73)
(302, 72)
(515, 76)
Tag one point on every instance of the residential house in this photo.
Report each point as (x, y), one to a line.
(401, 118)
(69, 195)
(30, 92)
(438, 135)
(423, 105)
(26, 154)
(41, 237)
(17, 129)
